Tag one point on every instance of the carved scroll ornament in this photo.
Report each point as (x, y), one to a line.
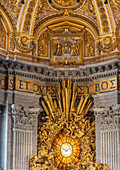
(25, 48)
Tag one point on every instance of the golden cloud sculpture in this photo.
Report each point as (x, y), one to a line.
(66, 140)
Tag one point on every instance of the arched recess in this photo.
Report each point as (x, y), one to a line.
(89, 24)
(46, 32)
(60, 13)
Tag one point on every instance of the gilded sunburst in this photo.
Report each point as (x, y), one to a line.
(66, 138)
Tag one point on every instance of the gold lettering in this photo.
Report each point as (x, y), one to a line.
(30, 86)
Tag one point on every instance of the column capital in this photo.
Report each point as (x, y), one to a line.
(108, 117)
(24, 117)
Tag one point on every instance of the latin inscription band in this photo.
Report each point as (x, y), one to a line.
(30, 86)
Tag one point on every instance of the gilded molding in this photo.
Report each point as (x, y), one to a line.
(97, 16)
(28, 16)
(2, 35)
(15, 7)
(116, 2)
(87, 20)
(103, 16)
(111, 18)
(72, 17)
(34, 17)
(5, 11)
(115, 11)
(22, 16)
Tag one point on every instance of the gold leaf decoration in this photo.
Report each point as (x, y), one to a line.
(89, 45)
(2, 35)
(108, 45)
(66, 125)
(15, 6)
(66, 3)
(25, 41)
(43, 45)
(116, 2)
(104, 19)
(25, 49)
(28, 17)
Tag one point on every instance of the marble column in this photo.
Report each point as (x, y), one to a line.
(108, 136)
(24, 135)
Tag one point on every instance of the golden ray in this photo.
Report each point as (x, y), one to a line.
(67, 102)
(67, 118)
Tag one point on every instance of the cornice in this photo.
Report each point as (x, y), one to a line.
(86, 74)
